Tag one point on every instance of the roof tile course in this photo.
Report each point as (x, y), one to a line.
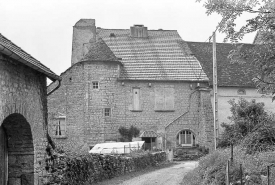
(28, 59)
(99, 51)
(163, 55)
(229, 74)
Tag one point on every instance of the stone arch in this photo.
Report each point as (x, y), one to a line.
(19, 149)
(186, 137)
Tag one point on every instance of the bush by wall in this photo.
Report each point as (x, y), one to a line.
(88, 169)
(212, 168)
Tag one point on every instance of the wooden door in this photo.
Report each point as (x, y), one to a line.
(3, 158)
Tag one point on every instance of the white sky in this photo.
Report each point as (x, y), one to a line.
(44, 28)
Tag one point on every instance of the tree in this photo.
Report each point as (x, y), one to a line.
(246, 117)
(262, 21)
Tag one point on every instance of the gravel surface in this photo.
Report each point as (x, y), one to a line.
(166, 176)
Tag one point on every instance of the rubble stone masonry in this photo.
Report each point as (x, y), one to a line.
(84, 107)
(23, 115)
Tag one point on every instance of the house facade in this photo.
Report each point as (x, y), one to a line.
(131, 77)
(234, 79)
(23, 115)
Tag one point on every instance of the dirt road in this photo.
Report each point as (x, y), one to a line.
(166, 176)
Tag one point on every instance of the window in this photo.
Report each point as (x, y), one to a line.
(60, 127)
(164, 99)
(136, 99)
(186, 138)
(107, 112)
(241, 92)
(95, 85)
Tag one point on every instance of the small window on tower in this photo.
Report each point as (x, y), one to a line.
(95, 85)
(107, 112)
(60, 127)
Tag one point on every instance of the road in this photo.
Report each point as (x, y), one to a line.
(166, 176)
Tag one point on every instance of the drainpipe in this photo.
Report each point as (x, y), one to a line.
(13, 55)
(59, 84)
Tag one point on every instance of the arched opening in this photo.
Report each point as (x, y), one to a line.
(17, 151)
(186, 138)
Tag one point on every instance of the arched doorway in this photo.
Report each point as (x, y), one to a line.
(17, 151)
(186, 138)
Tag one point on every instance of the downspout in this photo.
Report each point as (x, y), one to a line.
(59, 84)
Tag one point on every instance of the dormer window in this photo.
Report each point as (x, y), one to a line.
(241, 92)
(139, 31)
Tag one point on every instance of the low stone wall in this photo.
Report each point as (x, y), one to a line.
(88, 169)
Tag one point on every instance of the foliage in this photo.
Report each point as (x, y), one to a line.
(128, 134)
(89, 169)
(211, 168)
(261, 13)
(246, 117)
(261, 139)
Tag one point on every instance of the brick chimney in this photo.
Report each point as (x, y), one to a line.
(139, 31)
(84, 33)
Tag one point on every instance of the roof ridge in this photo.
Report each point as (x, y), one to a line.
(99, 28)
(218, 43)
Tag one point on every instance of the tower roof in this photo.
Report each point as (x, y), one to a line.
(99, 51)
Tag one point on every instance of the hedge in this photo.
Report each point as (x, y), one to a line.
(92, 168)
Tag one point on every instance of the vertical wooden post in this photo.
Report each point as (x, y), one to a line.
(215, 94)
(227, 173)
(268, 175)
(241, 171)
(165, 140)
(129, 147)
(231, 158)
(151, 143)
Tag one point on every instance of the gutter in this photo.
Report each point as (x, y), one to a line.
(53, 77)
(59, 84)
(11, 54)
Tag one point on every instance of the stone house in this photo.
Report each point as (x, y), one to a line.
(123, 77)
(23, 115)
(234, 79)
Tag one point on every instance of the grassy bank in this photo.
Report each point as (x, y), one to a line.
(212, 168)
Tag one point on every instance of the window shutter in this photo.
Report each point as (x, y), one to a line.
(169, 98)
(159, 99)
(62, 126)
(57, 127)
(136, 96)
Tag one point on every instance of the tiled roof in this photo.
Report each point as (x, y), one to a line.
(229, 74)
(23, 57)
(148, 133)
(163, 55)
(99, 51)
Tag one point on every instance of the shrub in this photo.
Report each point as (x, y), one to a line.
(261, 139)
(88, 169)
(128, 134)
(211, 168)
(246, 116)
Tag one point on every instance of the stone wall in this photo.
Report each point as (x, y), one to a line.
(84, 106)
(23, 115)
